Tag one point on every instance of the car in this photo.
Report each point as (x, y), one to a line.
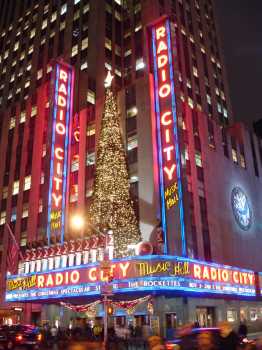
(192, 338)
(17, 336)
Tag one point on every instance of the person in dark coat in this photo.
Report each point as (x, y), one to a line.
(242, 330)
(228, 338)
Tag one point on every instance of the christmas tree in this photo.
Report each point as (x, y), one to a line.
(112, 206)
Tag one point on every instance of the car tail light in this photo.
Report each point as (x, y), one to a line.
(170, 346)
(39, 337)
(19, 337)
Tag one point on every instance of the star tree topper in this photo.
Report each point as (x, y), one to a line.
(108, 79)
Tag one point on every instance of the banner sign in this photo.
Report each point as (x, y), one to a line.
(62, 95)
(144, 274)
(168, 162)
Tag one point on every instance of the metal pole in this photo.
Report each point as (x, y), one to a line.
(105, 321)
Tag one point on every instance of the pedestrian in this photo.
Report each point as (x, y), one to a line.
(205, 341)
(242, 330)
(228, 338)
(155, 343)
(183, 333)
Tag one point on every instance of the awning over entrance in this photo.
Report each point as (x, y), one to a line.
(131, 276)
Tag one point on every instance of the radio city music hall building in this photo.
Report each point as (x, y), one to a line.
(193, 171)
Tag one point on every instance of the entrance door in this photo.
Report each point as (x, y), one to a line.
(205, 316)
(171, 324)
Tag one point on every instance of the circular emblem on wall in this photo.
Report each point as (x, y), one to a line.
(241, 208)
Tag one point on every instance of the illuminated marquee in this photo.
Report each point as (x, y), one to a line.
(144, 274)
(63, 80)
(167, 134)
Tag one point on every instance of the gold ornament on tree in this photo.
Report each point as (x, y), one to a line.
(112, 206)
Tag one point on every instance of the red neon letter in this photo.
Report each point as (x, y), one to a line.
(161, 61)
(160, 32)
(161, 47)
(60, 128)
(197, 271)
(168, 150)
(63, 75)
(164, 91)
(59, 153)
(61, 101)
(170, 171)
(57, 199)
(164, 120)
(163, 75)
(57, 182)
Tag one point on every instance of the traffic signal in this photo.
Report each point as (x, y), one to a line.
(110, 310)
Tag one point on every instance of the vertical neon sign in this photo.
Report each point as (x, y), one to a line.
(169, 161)
(63, 81)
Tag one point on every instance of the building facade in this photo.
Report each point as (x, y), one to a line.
(213, 210)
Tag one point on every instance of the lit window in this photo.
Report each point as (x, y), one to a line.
(234, 155)
(225, 113)
(198, 159)
(242, 161)
(195, 71)
(12, 123)
(12, 78)
(10, 95)
(52, 34)
(86, 8)
(18, 90)
(33, 111)
(15, 188)
(117, 71)
(40, 207)
(31, 49)
(76, 1)
(62, 25)
(140, 64)
(63, 9)
(74, 194)
(91, 96)
(91, 130)
(108, 44)
(44, 150)
(75, 164)
(22, 117)
(6, 54)
(22, 56)
(190, 102)
(42, 178)
(231, 315)
(132, 143)
(74, 50)
(90, 159)
(118, 15)
(46, 8)
(208, 99)
(253, 314)
(53, 17)
(2, 217)
(84, 43)
(219, 108)
(76, 15)
(128, 52)
(27, 183)
(25, 210)
(5, 192)
(131, 112)
(119, 2)
(27, 83)
(39, 74)
(32, 33)
(49, 68)
(138, 27)
(16, 46)
(28, 68)
(44, 24)
(84, 66)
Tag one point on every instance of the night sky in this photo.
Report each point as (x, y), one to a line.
(240, 25)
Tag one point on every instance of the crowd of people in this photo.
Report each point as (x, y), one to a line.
(187, 337)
